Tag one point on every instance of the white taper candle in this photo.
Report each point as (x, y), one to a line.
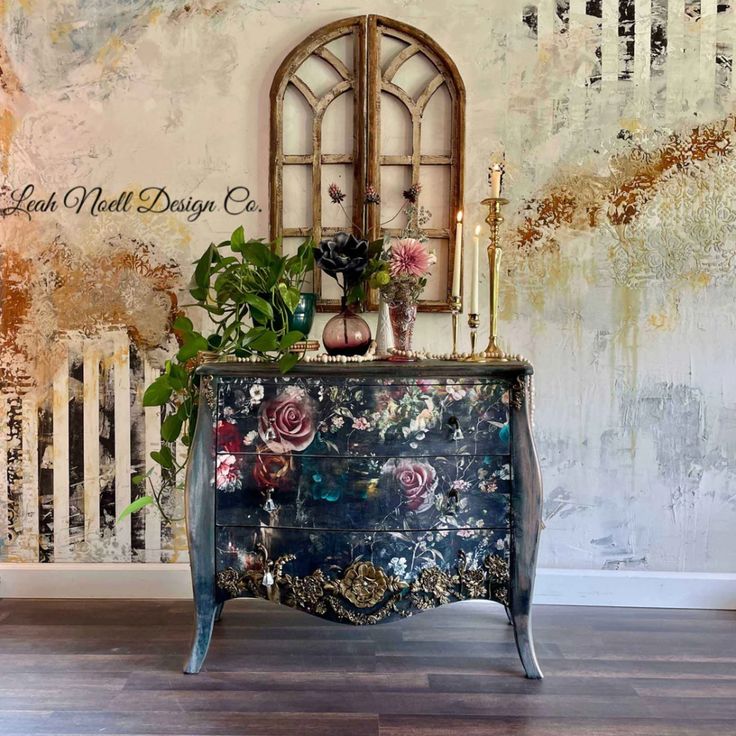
(458, 265)
(475, 275)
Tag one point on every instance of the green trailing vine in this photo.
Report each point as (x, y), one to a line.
(249, 291)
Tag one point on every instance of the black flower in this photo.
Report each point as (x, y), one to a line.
(336, 194)
(412, 193)
(371, 195)
(342, 253)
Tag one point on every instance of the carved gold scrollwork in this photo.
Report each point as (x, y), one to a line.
(518, 393)
(363, 585)
(208, 391)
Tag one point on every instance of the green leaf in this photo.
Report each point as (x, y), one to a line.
(260, 304)
(193, 344)
(199, 294)
(259, 254)
(266, 342)
(171, 427)
(158, 393)
(291, 338)
(288, 361)
(374, 248)
(178, 377)
(137, 505)
(164, 457)
(201, 276)
(237, 239)
(305, 253)
(290, 295)
(184, 324)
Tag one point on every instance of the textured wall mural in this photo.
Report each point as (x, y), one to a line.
(617, 123)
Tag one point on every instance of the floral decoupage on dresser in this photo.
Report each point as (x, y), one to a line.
(373, 481)
(364, 494)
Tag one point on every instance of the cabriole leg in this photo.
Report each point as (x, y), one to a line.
(200, 512)
(522, 623)
(204, 622)
(526, 505)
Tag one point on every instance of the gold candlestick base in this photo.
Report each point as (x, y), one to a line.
(456, 307)
(494, 353)
(473, 323)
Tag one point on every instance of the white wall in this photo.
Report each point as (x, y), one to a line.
(629, 326)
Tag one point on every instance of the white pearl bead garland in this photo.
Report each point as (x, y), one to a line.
(371, 356)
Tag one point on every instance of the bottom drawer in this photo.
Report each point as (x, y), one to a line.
(362, 577)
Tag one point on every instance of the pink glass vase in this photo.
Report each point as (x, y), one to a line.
(347, 333)
(403, 316)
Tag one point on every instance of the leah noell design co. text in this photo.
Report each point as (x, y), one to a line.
(94, 201)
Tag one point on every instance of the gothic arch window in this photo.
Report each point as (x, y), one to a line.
(367, 101)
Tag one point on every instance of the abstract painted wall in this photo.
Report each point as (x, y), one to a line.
(617, 123)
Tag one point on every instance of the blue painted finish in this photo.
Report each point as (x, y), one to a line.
(366, 494)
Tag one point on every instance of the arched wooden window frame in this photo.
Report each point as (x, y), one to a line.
(368, 81)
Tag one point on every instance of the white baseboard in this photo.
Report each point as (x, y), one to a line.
(636, 589)
(628, 588)
(95, 580)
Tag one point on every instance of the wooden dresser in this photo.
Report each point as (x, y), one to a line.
(364, 492)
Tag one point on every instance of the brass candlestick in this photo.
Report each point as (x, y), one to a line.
(456, 306)
(493, 352)
(473, 323)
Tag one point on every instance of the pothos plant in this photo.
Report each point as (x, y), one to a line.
(248, 291)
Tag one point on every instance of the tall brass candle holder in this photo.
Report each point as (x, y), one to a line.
(456, 306)
(493, 352)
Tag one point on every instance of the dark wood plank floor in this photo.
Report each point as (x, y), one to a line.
(114, 667)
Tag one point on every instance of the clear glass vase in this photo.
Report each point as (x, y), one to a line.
(403, 316)
(384, 333)
(347, 333)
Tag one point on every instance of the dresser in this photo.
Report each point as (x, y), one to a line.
(364, 493)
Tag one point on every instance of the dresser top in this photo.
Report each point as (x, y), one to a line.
(418, 369)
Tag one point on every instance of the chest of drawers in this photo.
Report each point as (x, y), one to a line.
(364, 494)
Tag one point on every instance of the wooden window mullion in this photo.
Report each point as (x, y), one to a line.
(317, 191)
(367, 82)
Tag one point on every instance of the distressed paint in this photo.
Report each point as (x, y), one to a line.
(616, 119)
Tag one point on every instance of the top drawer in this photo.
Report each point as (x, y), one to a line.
(348, 416)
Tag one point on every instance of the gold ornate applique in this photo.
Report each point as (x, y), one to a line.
(208, 391)
(518, 393)
(363, 585)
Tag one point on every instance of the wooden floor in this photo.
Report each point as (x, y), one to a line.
(114, 667)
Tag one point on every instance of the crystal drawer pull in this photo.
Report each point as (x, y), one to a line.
(452, 502)
(270, 432)
(269, 506)
(455, 432)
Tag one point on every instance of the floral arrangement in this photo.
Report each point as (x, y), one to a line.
(399, 270)
(401, 274)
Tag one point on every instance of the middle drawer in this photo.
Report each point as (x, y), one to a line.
(317, 492)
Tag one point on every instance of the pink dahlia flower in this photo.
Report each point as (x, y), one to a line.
(409, 258)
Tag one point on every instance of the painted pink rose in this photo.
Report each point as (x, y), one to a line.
(227, 473)
(286, 423)
(417, 482)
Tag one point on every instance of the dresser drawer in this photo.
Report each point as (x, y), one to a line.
(310, 491)
(358, 577)
(385, 418)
